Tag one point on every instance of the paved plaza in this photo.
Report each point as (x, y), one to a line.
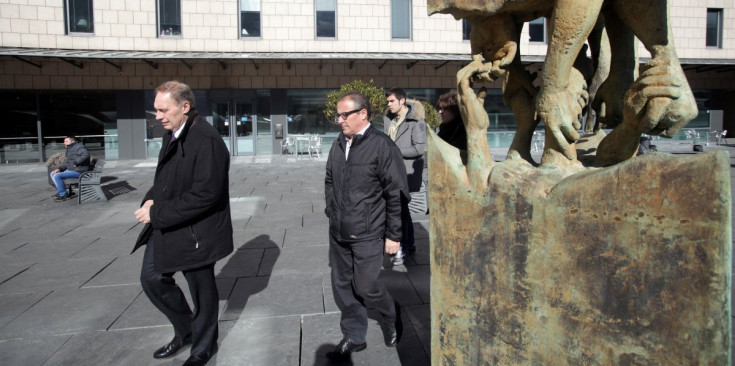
(70, 293)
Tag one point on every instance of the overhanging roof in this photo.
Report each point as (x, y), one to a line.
(351, 56)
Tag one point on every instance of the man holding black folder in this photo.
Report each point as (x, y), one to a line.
(188, 225)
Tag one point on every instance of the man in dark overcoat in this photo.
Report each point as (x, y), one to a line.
(364, 185)
(187, 214)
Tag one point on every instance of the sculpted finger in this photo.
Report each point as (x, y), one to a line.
(655, 110)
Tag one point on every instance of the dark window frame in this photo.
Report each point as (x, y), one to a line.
(167, 28)
(543, 33)
(713, 32)
(466, 29)
(409, 19)
(324, 17)
(75, 25)
(254, 20)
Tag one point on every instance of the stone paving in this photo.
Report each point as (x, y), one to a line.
(70, 295)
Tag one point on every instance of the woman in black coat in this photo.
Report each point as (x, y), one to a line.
(452, 128)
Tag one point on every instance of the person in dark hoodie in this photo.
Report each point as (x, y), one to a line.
(187, 217)
(406, 125)
(452, 128)
(363, 186)
(76, 163)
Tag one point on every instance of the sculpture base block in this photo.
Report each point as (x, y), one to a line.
(628, 265)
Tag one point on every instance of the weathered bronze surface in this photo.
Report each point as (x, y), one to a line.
(570, 263)
(627, 265)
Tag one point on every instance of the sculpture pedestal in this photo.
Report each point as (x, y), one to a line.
(629, 264)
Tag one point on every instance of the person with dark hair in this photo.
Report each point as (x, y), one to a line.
(452, 128)
(188, 224)
(76, 163)
(405, 123)
(364, 182)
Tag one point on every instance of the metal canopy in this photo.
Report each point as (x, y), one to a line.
(252, 56)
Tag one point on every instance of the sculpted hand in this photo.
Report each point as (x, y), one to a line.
(560, 111)
(660, 101)
(391, 247)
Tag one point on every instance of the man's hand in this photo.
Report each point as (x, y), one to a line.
(391, 247)
(143, 214)
(56, 171)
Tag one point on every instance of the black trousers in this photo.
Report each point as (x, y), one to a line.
(356, 287)
(163, 292)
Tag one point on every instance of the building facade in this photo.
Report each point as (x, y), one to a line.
(261, 69)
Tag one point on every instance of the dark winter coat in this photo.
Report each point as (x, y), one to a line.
(411, 139)
(77, 158)
(190, 216)
(363, 193)
(454, 133)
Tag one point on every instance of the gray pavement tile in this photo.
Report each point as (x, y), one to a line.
(271, 296)
(297, 260)
(107, 247)
(242, 207)
(400, 287)
(319, 206)
(49, 276)
(264, 341)
(124, 270)
(130, 347)
(10, 245)
(420, 277)
(15, 304)
(265, 222)
(8, 269)
(259, 238)
(240, 263)
(10, 219)
(52, 230)
(48, 250)
(288, 207)
(306, 236)
(141, 313)
(321, 333)
(317, 220)
(419, 317)
(31, 351)
(299, 198)
(421, 229)
(72, 311)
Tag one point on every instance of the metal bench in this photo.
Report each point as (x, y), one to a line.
(89, 184)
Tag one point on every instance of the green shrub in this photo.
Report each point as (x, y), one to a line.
(374, 94)
(433, 119)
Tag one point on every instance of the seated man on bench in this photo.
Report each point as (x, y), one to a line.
(77, 162)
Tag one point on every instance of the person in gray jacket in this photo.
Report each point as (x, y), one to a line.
(406, 125)
(77, 162)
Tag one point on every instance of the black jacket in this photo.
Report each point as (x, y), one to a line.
(77, 158)
(190, 216)
(454, 133)
(363, 194)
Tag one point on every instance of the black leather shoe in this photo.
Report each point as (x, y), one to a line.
(200, 360)
(391, 329)
(196, 361)
(345, 348)
(171, 348)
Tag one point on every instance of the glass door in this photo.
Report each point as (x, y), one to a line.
(235, 121)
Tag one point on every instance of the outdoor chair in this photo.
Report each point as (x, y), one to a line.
(288, 146)
(88, 184)
(315, 146)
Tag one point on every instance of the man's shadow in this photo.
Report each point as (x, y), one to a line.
(246, 273)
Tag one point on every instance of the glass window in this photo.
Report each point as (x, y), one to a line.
(466, 29)
(79, 16)
(249, 18)
(305, 108)
(714, 28)
(400, 19)
(89, 115)
(326, 11)
(537, 30)
(169, 18)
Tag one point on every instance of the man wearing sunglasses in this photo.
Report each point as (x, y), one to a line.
(364, 183)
